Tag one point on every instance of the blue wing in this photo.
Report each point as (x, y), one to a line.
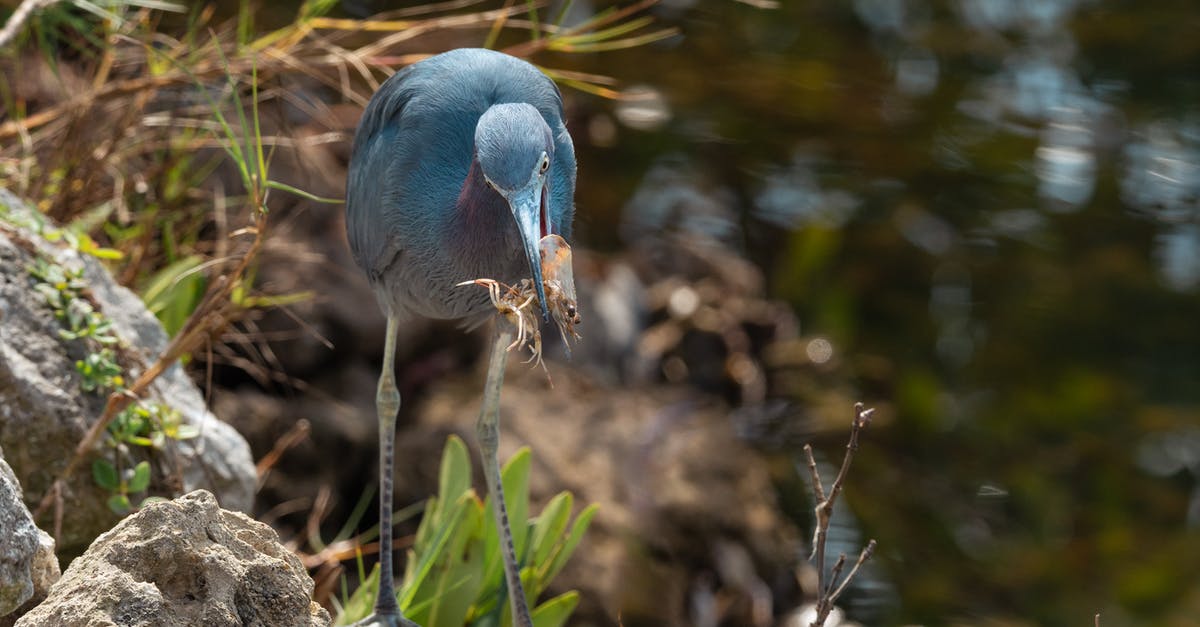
(378, 144)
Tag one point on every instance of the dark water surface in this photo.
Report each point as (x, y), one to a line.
(991, 213)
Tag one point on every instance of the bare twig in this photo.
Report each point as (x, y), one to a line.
(866, 554)
(835, 573)
(818, 493)
(828, 590)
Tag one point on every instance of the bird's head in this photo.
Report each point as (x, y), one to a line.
(515, 148)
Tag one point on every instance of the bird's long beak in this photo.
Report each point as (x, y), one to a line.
(527, 208)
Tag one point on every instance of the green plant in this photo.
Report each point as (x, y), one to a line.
(148, 424)
(121, 483)
(454, 575)
(144, 423)
(63, 288)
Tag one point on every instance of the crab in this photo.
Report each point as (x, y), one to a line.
(513, 301)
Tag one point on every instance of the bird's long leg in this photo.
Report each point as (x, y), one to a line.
(387, 405)
(487, 429)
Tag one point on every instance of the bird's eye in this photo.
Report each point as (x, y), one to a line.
(545, 164)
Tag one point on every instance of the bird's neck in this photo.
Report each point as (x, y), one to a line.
(481, 214)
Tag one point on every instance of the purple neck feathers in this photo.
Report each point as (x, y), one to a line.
(481, 214)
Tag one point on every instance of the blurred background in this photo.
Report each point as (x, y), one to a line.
(981, 218)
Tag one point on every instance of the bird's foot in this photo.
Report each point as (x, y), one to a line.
(385, 620)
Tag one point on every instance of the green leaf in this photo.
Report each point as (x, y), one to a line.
(141, 477)
(174, 292)
(142, 441)
(582, 522)
(462, 572)
(453, 574)
(359, 605)
(549, 528)
(119, 503)
(439, 573)
(110, 254)
(427, 561)
(514, 477)
(303, 194)
(105, 475)
(425, 531)
(277, 300)
(454, 476)
(556, 611)
(185, 432)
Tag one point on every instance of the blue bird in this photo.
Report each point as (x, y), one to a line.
(460, 165)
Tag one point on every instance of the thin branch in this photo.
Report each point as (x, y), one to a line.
(866, 554)
(819, 497)
(834, 574)
(828, 590)
(862, 418)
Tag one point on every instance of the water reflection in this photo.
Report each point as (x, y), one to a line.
(1032, 16)
(1066, 161)
(1026, 225)
(643, 108)
(989, 214)
(1162, 170)
(883, 15)
(950, 309)
(916, 72)
(792, 197)
(1162, 180)
(924, 229)
(672, 197)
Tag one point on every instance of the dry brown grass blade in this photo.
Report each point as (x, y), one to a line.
(528, 48)
(294, 436)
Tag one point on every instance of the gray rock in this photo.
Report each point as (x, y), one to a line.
(18, 544)
(44, 571)
(184, 562)
(44, 413)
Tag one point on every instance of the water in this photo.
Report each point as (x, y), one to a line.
(991, 212)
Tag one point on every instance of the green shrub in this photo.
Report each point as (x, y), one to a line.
(454, 574)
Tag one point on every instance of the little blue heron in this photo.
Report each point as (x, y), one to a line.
(460, 165)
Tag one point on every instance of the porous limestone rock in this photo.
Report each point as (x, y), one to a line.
(43, 572)
(183, 562)
(44, 413)
(18, 544)
(28, 566)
